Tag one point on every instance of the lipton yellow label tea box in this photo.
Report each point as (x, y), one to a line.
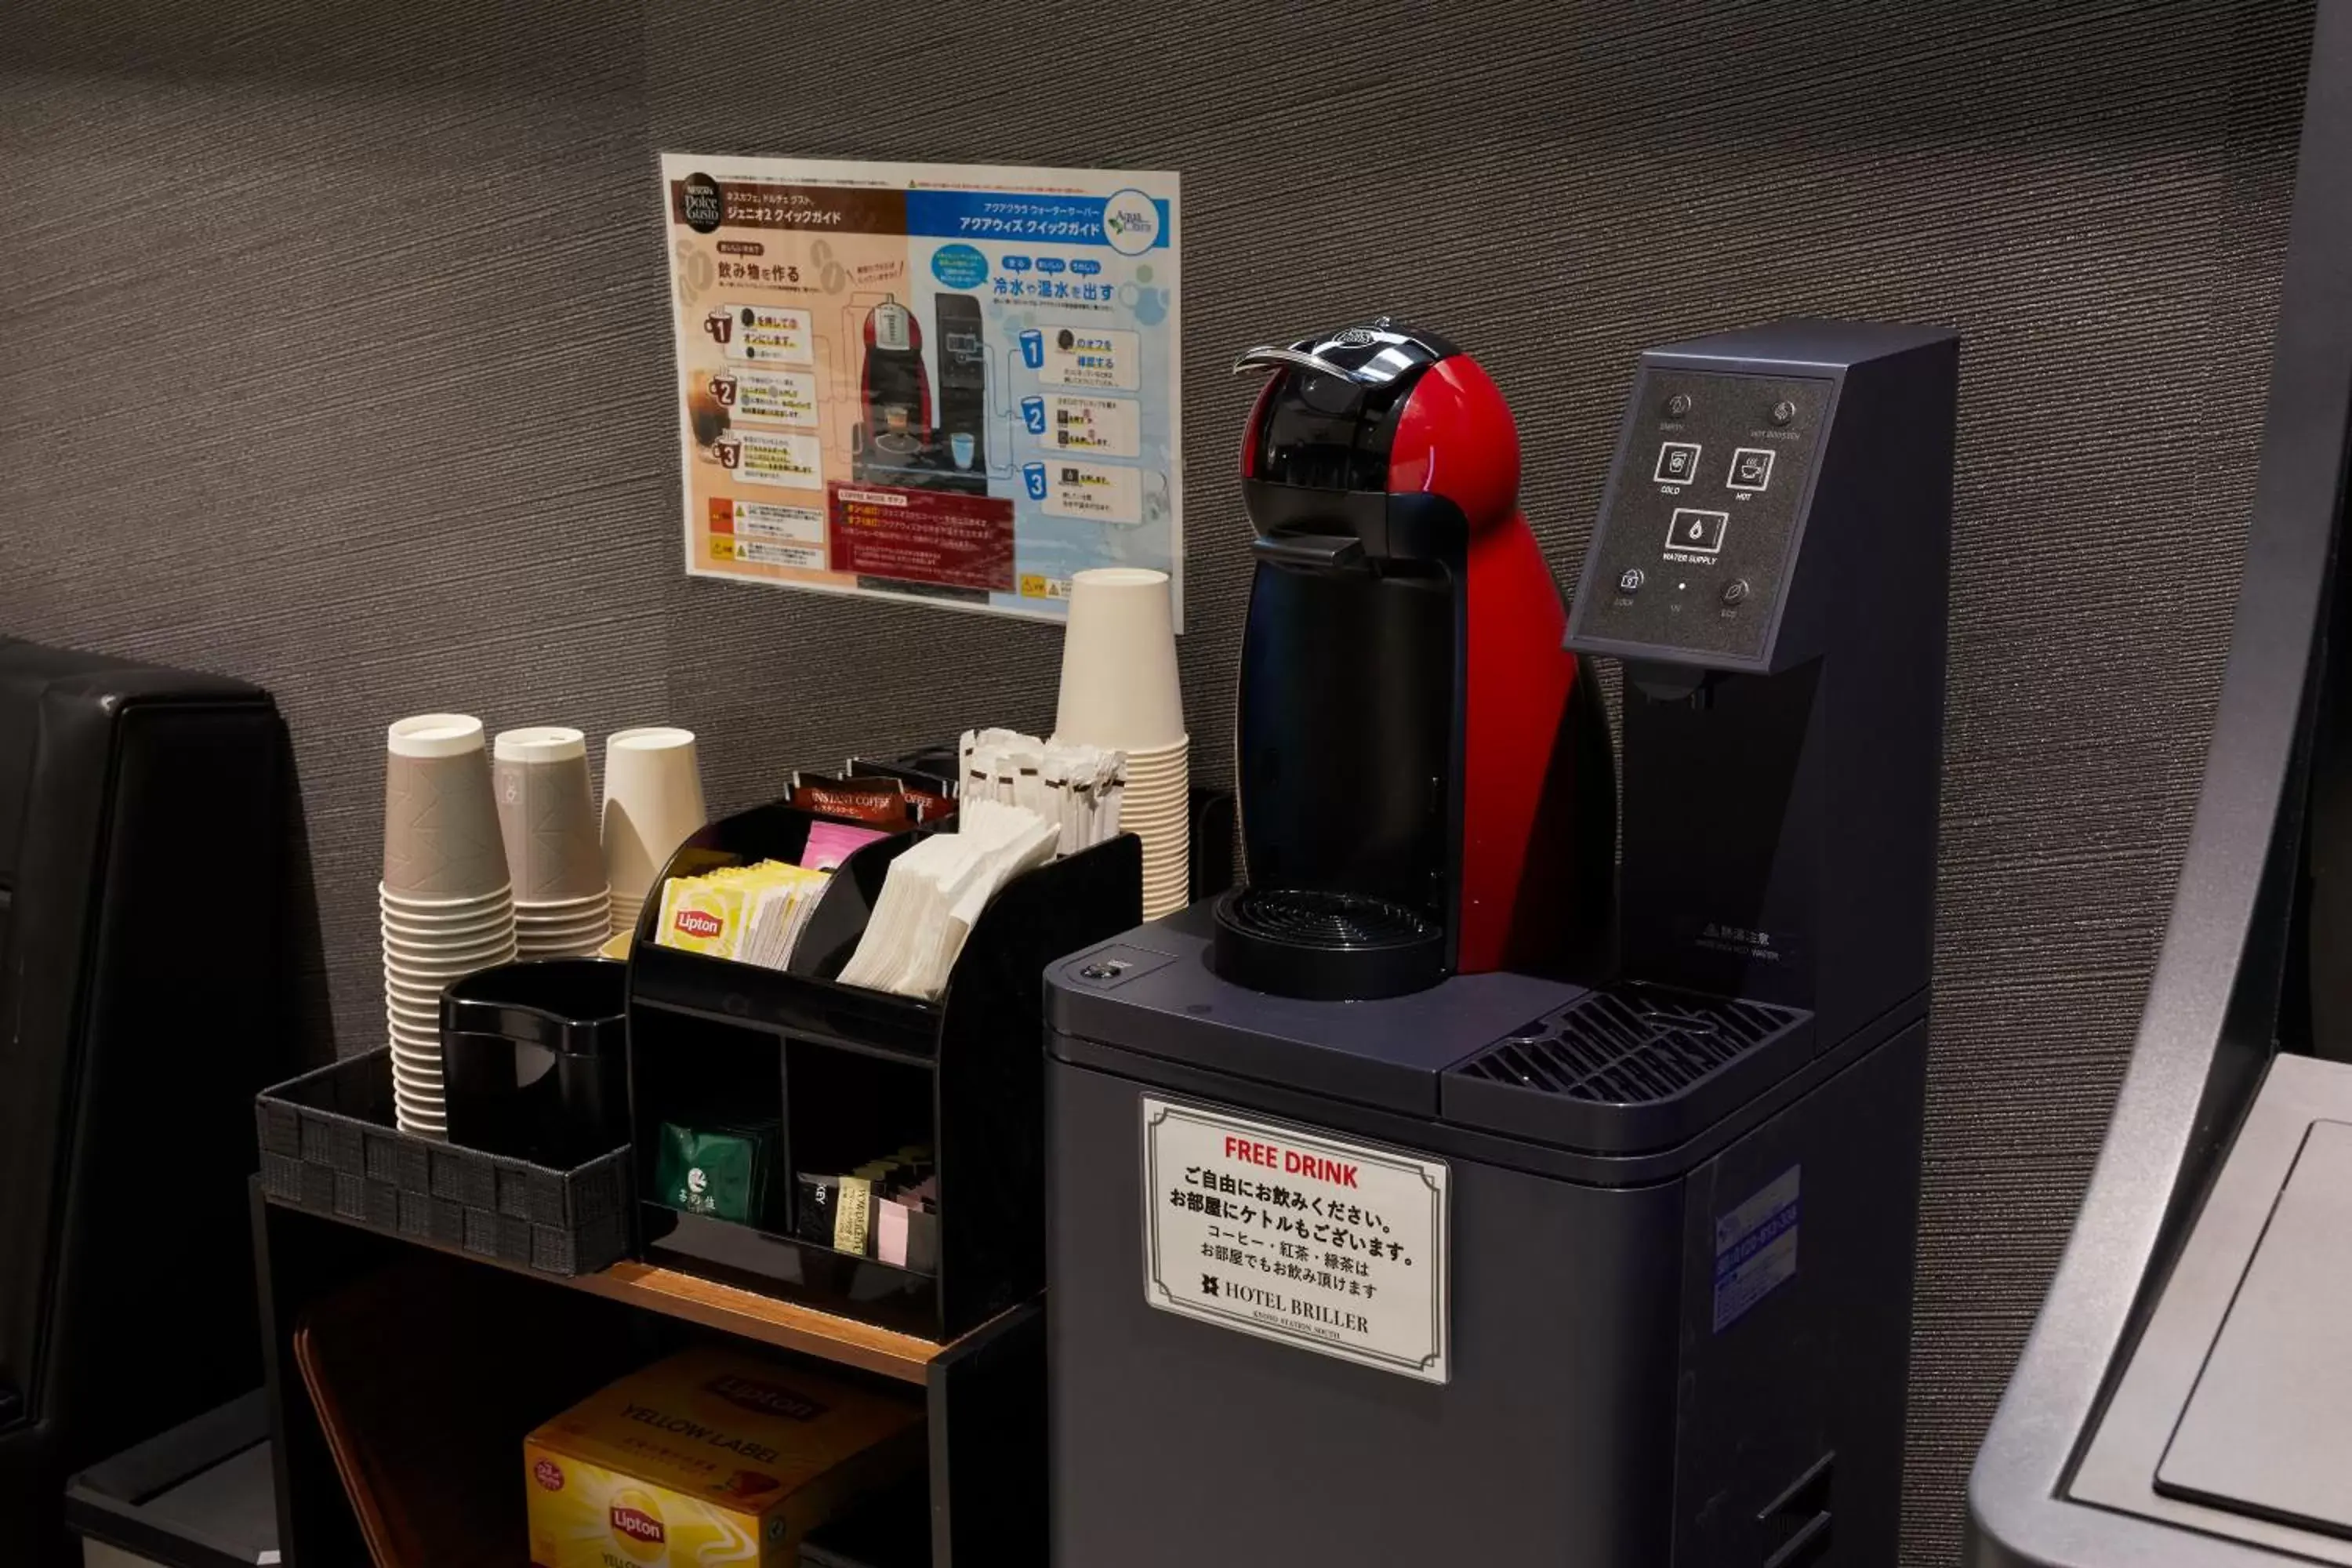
(708, 1458)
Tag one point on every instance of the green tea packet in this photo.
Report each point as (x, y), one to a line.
(719, 1171)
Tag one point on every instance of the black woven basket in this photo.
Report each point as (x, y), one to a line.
(328, 1145)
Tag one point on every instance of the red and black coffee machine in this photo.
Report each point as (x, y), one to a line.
(1424, 770)
(891, 378)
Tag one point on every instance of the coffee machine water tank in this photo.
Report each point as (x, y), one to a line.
(1424, 775)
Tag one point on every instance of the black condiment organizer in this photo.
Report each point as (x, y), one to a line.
(854, 1073)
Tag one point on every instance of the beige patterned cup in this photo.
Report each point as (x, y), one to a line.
(547, 815)
(440, 822)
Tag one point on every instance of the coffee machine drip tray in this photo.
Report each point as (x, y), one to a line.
(1629, 1067)
(1326, 945)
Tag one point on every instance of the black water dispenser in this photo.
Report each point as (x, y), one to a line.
(1524, 1272)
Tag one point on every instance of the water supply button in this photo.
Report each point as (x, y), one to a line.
(1677, 462)
(1696, 532)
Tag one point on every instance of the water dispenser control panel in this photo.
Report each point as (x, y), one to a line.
(1703, 515)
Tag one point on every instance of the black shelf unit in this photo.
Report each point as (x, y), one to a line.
(853, 1074)
(983, 1395)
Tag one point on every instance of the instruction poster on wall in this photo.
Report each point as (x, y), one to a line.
(951, 383)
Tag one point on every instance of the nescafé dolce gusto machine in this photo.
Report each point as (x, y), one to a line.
(1411, 735)
(1518, 1269)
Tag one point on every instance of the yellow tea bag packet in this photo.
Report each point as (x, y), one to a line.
(711, 914)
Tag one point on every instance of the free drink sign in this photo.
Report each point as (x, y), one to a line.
(1291, 1235)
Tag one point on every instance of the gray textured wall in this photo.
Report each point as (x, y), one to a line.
(333, 354)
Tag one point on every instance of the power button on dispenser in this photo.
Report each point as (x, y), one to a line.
(1122, 964)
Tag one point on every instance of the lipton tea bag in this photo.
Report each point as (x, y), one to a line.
(701, 914)
(779, 907)
(710, 915)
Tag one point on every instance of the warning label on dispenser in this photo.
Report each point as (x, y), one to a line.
(1756, 1247)
(1292, 1235)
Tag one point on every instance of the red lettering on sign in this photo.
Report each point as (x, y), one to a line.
(1275, 1158)
(1319, 1168)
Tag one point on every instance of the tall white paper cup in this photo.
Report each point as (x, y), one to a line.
(653, 802)
(1119, 662)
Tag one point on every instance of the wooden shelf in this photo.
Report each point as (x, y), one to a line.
(756, 1317)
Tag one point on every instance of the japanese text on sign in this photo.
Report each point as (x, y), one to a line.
(971, 373)
(1294, 1236)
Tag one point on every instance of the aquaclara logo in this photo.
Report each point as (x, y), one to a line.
(699, 923)
(636, 1524)
(1131, 223)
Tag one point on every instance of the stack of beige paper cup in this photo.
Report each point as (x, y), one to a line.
(653, 804)
(447, 904)
(547, 814)
(1120, 691)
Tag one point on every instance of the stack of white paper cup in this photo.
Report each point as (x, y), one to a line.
(1120, 691)
(446, 906)
(547, 815)
(653, 804)
(1157, 808)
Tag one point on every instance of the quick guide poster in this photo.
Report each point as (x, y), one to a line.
(951, 383)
